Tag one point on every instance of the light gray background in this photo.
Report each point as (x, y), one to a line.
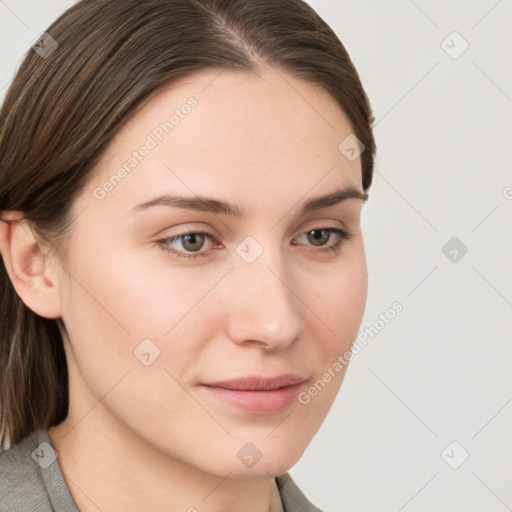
(441, 370)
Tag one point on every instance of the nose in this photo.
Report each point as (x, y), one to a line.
(263, 306)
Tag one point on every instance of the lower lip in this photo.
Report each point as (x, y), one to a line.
(258, 402)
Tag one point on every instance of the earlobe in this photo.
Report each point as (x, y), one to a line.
(28, 266)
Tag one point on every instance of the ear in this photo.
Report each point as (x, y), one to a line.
(33, 278)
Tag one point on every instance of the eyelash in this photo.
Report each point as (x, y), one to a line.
(343, 234)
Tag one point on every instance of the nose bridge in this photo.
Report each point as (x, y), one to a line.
(262, 306)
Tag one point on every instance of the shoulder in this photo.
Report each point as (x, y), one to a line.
(21, 484)
(292, 497)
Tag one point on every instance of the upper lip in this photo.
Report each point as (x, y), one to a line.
(258, 383)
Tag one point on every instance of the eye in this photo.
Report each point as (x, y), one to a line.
(193, 241)
(319, 236)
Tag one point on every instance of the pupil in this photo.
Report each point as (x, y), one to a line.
(318, 232)
(194, 241)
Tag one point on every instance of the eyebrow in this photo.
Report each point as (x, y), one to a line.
(216, 206)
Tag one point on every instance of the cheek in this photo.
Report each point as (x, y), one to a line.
(117, 320)
(123, 293)
(339, 300)
(340, 303)
(113, 307)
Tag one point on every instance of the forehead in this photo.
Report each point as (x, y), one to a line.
(268, 137)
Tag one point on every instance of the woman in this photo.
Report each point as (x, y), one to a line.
(181, 183)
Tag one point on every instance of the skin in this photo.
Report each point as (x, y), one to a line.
(149, 437)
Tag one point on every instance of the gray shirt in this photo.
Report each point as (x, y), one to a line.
(31, 480)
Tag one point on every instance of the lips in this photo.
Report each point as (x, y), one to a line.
(259, 383)
(259, 395)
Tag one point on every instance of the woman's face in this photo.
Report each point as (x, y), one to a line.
(186, 338)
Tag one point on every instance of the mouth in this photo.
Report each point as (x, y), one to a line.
(257, 395)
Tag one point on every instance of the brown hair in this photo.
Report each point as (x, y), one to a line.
(65, 105)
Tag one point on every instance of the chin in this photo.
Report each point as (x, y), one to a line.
(267, 466)
(261, 455)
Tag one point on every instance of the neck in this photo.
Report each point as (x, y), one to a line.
(111, 468)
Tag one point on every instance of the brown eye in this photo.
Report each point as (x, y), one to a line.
(319, 237)
(191, 242)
